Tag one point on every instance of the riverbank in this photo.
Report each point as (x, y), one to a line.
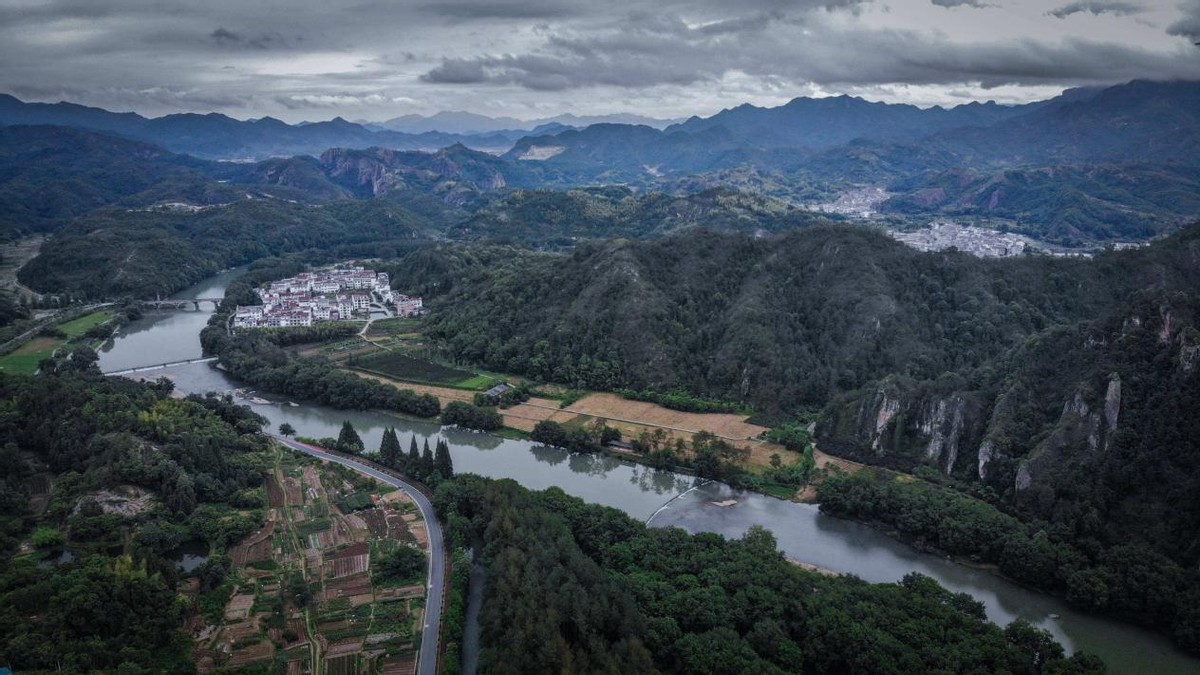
(801, 530)
(631, 418)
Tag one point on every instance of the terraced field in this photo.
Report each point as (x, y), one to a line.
(304, 587)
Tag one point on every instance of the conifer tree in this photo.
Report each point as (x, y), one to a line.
(348, 440)
(414, 457)
(427, 465)
(389, 450)
(441, 460)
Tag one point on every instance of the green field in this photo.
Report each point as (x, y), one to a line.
(25, 359)
(403, 367)
(395, 326)
(80, 326)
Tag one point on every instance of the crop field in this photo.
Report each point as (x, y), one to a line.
(403, 367)
(25, 360)
(350, 623)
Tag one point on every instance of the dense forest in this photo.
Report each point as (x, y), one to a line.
(1125, 579)
(1054, 389)
(778, 323)
(571, 586)
(189, 469)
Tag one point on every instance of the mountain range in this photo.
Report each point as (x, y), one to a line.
(462, 122)
(1092, 165)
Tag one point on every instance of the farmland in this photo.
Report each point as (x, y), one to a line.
(25, 359)
(403, 367)
(305, 588)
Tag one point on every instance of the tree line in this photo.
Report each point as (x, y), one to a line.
(572, 586)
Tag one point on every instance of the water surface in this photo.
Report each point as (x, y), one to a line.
(802, 531)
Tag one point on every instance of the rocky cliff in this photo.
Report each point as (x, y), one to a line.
(1050, 410)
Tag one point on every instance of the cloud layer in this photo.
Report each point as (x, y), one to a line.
(377, 58)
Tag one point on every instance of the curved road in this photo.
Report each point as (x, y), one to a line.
(427, 657)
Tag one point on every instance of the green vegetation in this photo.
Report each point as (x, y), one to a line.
(587, 587)
(403, 564)
(348, 440)
(115, 607)
(469, 416)
(577, 438)
(79, 326)
(402, 367)
(1128, 581)
(779, 324)
(257, 358)
(681, 400)
(26, 359)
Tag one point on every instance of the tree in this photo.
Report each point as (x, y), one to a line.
(427, 465)
(414, 456)
(286, 429)
(389, 450)
(348, 440)
(402, 564)
(441, 460)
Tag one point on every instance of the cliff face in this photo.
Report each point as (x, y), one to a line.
(902, 423)
(1051, 409)
(455, 174)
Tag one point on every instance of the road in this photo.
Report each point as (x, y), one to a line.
(434, 590)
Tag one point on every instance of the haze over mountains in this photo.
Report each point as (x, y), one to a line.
(1092, 165)
(462, 122)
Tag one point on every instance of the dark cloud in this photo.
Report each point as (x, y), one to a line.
(643, 51)
(1097, 7)
(228, 38)
(961, 3)
(504, 9)
(675, 57)
(1189, 25)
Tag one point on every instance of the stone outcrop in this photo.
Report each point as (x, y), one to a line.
(897, 419)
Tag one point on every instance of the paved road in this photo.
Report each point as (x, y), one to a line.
(427, 658)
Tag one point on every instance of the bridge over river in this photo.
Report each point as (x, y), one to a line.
(181, 303)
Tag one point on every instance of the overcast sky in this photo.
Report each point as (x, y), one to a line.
(376, 59)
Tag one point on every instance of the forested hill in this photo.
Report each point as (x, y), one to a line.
(1060, 390)
(780, 322)
(100, 480)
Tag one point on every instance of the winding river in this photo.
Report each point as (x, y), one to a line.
(803, 533)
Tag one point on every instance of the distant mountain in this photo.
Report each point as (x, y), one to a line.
(216, 136)
(1135, 122)
(49, 175)
(819, 123)
(1063, 205)
(460, 122)
(1138, 122)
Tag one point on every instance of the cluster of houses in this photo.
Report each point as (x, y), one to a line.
(331, 295)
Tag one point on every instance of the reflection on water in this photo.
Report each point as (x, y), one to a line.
(56, 558)
(549, 455)
(804, 533)
(477, 439)
(801, 530)
(188, 556)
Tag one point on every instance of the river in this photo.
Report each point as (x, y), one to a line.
(803, 532)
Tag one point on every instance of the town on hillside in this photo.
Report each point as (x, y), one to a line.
(327, 295)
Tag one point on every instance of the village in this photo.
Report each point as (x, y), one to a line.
(327, 295)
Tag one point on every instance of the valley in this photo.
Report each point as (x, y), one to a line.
(826, 385)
